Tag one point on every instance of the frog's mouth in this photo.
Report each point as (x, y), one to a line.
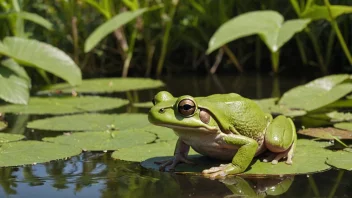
(208, 129)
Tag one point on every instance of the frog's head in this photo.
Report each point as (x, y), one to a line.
(180, 113)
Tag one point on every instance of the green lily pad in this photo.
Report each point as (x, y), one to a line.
(269, 105)
(32, 152)
(106, 85)
(163, 133)
(344, 125)
(65, 105)
(310, 157)
(317, 93)
(104, 140)
(143, 104)
(341, 160)
(326, 133)
(7, 137)
(147, 151)
(3, 125)
(339, 116)
(91, 122)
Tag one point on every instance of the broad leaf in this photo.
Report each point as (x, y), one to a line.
(35, 18)
(344, 125)
(13, 88)
(16, 68)
(91, 122)
(326, 133)
(41, 55)
(143, 105)
(109, 26)
(162, 133)
(269, 25)
(269, 105)
(32, 152)
(7, 137)
(339, 116)
(105, 140)
(317, 93)
(106, 85)
(341, 160)
(65, 105)
(317, 12)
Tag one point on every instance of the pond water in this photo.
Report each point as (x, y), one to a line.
(95, 174)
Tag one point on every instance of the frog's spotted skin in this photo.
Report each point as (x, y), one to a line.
(223, 126)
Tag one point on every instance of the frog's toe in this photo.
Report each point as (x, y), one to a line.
(164, 164)
(214, 169)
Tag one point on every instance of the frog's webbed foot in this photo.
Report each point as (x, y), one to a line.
(221, 171)
(171, 163)
(276, 157)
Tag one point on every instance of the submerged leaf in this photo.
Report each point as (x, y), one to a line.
(326, 133)
(104, 140)
(106, 85)
(339, 116)
(341, 160)
(91, 122)
(8, 137)
(32, 152)
(317, 93)
(65, 105)
(344, 125)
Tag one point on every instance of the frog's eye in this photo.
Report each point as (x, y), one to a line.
(186, 107)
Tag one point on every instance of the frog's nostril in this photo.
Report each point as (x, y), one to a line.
(162, 110)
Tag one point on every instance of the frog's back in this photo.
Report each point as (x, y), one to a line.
(239, 112)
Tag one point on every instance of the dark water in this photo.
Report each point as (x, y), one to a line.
(95, 174)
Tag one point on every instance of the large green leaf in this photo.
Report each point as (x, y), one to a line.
(65, 105)
(339, 116)
(344, 125)
(7, 137)
(35, 18)
(163, 133)
(106, 85)
(16, 68)
(32, 152)
(109, 26)
(341, 160)
(105, 140)
(269, 105)
(317, 12)
(91, 122)
(328, 133)
(269, 25)
(13, 88)
(41, 55)
(317, 93)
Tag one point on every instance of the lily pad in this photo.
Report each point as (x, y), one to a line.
(7, 137)
(91, 122)
(3, 125)
(143, 104)
(326, 133)
(317, 93)
(106, 85)
(163, 133)
(339, 116)
(32, 152)
(104, 140)
(269, 105)
(310, 157)
(65, 105)
(344, 125)
(341, 160)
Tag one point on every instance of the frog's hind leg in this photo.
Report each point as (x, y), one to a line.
(280, 138)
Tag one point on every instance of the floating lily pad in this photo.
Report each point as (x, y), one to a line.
(104, 140)
(341, 159)
(32, 152)
(91, 122)
(147, 151)
(163, 133)
(339, 116)
(3, 125)
(326, 133)
(7, 137)
(310, 157)
(317, 93)
(344, 125)
(143, 104)
(65, 105)
(269, 105)
(106, 85)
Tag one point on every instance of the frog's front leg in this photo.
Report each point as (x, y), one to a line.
(280, 138)
(180, 155)
(245, 153)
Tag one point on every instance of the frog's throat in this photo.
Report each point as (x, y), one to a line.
(208, 129)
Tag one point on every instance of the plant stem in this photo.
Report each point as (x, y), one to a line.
(317, 51)
(336, 28)
(337, 183)
(127, 62)
(313, 185)
(166, 37)
(329, 47)
(232, 58)
(275, 59)
(258, 53)
(75, 40)
(301, 50)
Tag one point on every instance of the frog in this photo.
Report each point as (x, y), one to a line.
(227, 127)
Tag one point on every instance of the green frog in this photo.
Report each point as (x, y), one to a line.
(225, 127)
